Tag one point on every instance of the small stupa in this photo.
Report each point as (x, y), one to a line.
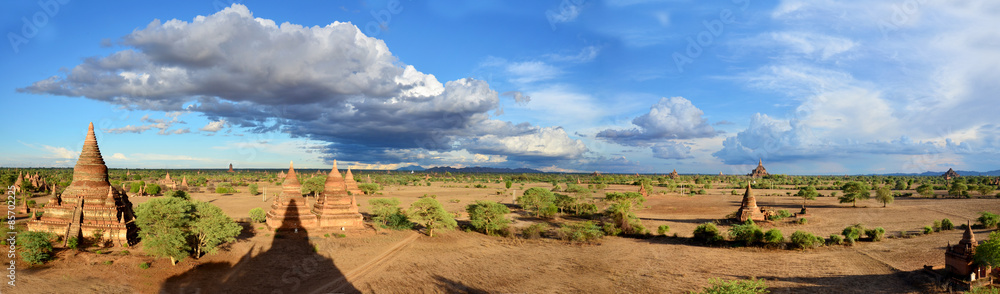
(748, 208)
(334, 208)
(230, 167)
(958, 259)
(352, 185)
(289, 210)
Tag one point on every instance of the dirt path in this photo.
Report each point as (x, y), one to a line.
(336, 285)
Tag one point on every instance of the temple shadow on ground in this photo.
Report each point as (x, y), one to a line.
(290, 265)
(898, 282)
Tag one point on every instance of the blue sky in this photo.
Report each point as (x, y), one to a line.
(810, 87)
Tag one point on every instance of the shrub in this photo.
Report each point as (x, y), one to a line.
(539, 201)
(180, 194)
(662, 229)
(533, 231)
(988, 220)
(936, 226)
(369, 188)
(73, 243)
(805, 240)
(621, 211)
(746, 234)
(720, 286)
(774, 236)
(852, 233)
(254, 190)
(581, 232)
(35, 247)
(488, 216)
(928, 230)
(876, 234)
(707, 233)
(144, 265)
(803, 221)
(779, 215)
(398, 221)
(835, 240)
(258, 215)
(947, 225)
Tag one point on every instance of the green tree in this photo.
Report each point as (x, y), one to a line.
(807, 193)
(163, 224)
(369, 188)
(988, 252)
(253, 189)
(430, 213)
(314, 185)
(180, 194)
(852, 233)
(707, 233)
(134, 187)
(621, 211)
(883, 195)
(153, 189)
(957, 188)
(855, 191)
(539, 201)
(984, 189)
(383, 209)
(899, 185)
(720, 286)
(488, 216)
(746, 234)
(988, 219)
(564, 202)
(258, 215)
(225, 188)
(211, 227)
(507, 184)
(36, 247)
(925, 190)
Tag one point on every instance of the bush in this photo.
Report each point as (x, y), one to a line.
(35, 247)
(369, 188)
(73, 243)
(835, 240)
(621, 211)
(988, 220)
(254, 190)
(875, 234)
(801, 239)
(662, 229)
(707, 233)
(947, 225)
(928, 230)
(581, 232)
(533, 231)
(852, 233)
(746, 234)
(720, 286)
(144, 265)
(258, 215)
(432, 215)
(779, 215)
(539, 201)
(180, 194)
(803, 221)
(936, 226)
(774, 236)
(488, 217)
(398, 221)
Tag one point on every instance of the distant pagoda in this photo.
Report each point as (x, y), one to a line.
(673, 175)
(334, 208)
(289, 210)
(760, 171)
(352, 185)
(89, 204)
(230, 167)
(950, 174)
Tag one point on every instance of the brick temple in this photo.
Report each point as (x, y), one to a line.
(89, 205)
(335, 208)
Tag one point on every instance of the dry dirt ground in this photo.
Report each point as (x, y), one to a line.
(457, 261)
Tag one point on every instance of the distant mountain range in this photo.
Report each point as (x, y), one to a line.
(411, 167)
(476, 169)
(960, 172)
